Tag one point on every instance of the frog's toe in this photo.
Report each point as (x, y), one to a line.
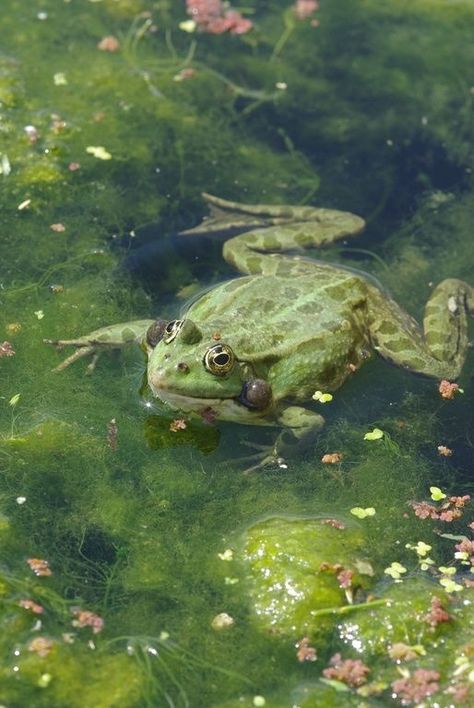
(92, 364)
(263, 461)
(78, 354)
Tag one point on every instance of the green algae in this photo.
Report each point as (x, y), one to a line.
(403, 619)
(375, 117)
(76, 678)
(290, 567)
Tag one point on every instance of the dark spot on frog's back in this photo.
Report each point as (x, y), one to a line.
(268, 306)
(337, 292)
(388, 327)
(233, 285)
(291, 293)
(271, 243)
(253, 264)
(308, 308)
(277, 339)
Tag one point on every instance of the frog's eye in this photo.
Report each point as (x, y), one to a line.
(154, 333)
(219, 359)
(171, 330)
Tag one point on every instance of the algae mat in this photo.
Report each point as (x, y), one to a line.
(139, 566)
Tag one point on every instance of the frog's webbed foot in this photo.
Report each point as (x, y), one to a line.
(263, 456)
(80, 353)
(263, 460)
(228, 218)
(300, 428)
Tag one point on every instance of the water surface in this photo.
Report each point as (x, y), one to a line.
(104, 152)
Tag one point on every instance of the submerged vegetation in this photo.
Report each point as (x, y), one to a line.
(139, 567)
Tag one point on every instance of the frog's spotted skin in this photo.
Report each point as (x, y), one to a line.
(254, 348)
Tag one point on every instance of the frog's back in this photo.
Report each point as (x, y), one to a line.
(262, 316)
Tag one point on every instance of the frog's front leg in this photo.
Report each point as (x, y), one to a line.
(93, 344)
(439, 350)
(300, 427)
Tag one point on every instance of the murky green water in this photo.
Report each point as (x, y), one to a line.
(366, 106)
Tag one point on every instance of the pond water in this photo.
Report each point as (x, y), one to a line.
(140, 566)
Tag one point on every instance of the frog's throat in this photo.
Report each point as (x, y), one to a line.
(223, 408)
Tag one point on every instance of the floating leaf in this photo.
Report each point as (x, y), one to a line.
(395, 570)
(14, 399)
(337, 685)
(187, 26)
(60, 79)
(453, 537)
(259, 701)
(421, 548)
(322, 397)
(451, 570)
(375, 434)
(39, 314)
(363, 513)
(230, 581)
(5, 166)
(99, 152)
(450, 585)
(364, 567)
(437, 494)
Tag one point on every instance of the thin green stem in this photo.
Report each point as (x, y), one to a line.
(283, 39)
(346, 609)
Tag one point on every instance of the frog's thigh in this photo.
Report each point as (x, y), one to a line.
(440, 350)
(250, 253)
(300, 427)
(445, 321)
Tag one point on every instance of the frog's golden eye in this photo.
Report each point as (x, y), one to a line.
(219, 359)
(171, 330)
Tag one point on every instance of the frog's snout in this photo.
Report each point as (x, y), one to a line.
(160, 377)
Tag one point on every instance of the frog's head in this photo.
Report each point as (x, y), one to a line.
(193, 373)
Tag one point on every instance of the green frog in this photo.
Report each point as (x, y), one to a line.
(254, 349)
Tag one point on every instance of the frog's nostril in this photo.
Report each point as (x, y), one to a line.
(182, 367)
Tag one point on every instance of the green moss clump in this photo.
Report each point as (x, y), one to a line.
(290, 568)
(72, 675)
(437, 636)
(372, 631)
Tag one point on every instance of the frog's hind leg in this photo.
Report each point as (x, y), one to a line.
(271, 211)
(445, 322)
(263, 250)
(439, 350)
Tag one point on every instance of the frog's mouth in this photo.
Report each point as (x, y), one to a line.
(221, 408)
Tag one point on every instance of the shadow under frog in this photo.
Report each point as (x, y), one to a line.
(254, 349)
